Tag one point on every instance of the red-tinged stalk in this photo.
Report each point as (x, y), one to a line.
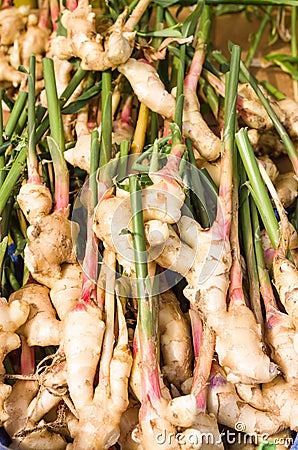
(90, 263)
(280, 329)
(219, 86)
(215, 82)
(44, 14)
(61, 202)
(92, 122)
(284, 271)
(152, 412)
(34, 197)
(192, 78)
(230, 344)
(7, 4)
(109, 260)
(203, 367)
(224, 209)
(197, 331)
(55, 11)
(71, 5)
(27, 358)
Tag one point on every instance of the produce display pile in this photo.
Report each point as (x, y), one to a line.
(148, 233)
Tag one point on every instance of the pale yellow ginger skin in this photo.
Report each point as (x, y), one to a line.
(52, 388)
(8, 73)
(208, 276)
(12, 23)
(269, 251)
(278, 396)
(286, 282)
(41, 313)
(153, 425)
(5, 390)
(79, 155)
(145, 81)
(197, 424)
(50, 245)
(229, 408)
(240, 334)
(96, 52)
(175, 340)
(63, 71)
(40, 405)
(270, 167)
(214, 168)
(135, 383)
(161, 201)
(196, 128)
(34, 40)
(83, 324)
(35, 201)
(205, 428)
(208, 281)
(267, 142)
(99, 419)
(67, 291)
(290, 109)
(17, 408)
(282, 338)
(11, 318)
(286, 186)
(156, 232)
(253, 112)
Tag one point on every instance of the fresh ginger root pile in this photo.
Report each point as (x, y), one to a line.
(108, 397)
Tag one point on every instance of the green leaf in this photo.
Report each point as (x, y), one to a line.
(23, 70)
(168, 32)
(61, 30)
(267, 446)
(82, 100)
(284, 63)
(274, 56)
(3, 247)
(145, 180)
(190, 24)
(165, 3)
(228, 9)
